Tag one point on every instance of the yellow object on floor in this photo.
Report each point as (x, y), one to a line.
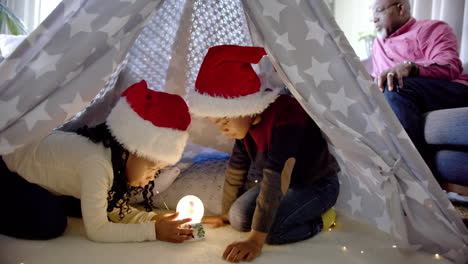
(328, 219)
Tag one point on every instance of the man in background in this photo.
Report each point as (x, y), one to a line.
(417, 66)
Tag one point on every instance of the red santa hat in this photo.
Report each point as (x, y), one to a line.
(150, 124)
(228, 86)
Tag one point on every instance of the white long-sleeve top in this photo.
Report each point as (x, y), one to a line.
(69, 164)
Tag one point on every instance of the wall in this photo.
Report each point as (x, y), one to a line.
(32, 12)
(353, 17)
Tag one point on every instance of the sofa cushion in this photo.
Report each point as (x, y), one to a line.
(452, 166)
(447, 127)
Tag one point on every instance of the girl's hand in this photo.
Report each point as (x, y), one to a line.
(216, 220)
(160, 216)
(246, 250)
(168, 229)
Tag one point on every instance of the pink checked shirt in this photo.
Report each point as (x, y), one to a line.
(430, 43)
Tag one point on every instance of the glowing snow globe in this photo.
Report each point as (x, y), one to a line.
(191, 206)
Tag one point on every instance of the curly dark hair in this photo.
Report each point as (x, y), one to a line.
(120, 192)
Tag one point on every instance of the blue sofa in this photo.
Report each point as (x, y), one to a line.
(447, 132)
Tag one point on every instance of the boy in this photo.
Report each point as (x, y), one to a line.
(281, 180)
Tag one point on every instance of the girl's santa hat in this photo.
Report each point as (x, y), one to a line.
(228, 86)
(150, 124)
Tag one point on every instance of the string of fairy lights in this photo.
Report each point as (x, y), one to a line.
(345, 249)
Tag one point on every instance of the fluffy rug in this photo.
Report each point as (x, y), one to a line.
(348, 242)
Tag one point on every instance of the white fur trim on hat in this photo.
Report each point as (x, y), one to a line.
(144, 139)
(204, 105)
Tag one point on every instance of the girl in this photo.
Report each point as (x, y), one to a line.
(101, 166)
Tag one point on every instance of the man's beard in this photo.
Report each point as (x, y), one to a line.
(382, 34)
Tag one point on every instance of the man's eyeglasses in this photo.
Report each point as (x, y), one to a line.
(380, 10)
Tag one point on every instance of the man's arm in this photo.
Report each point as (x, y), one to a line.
(439, 44)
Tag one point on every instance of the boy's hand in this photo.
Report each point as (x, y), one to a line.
(246, 250)
(216, 220)
(168, 229)
(242, 251)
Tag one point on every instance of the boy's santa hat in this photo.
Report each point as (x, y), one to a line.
(228, 86)
(150, 124)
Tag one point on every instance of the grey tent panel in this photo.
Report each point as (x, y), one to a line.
(384, 180)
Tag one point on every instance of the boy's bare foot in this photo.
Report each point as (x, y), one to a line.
(216, 220)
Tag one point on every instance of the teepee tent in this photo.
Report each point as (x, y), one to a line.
(98, 47)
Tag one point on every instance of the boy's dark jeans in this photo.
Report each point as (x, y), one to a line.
(298, 216)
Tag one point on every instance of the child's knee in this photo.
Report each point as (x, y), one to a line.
(52, 224)
(46, 224)
(239, 219)
(289, 232)
(287, 237)
(275, 239)
(55, 229)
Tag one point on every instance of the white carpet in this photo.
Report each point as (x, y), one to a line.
(326, 247)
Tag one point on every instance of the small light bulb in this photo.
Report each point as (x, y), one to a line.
(437, 256)
(394, 246)
(190, 206)
(344, 249)
(329, 229)
(334, 224)
(362, 251)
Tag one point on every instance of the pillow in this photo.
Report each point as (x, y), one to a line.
(193, 161)
(165, 178)
(204, 179)
(196, 153)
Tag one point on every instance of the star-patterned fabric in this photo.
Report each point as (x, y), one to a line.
(61, 66)
(384, 180)
(78, 52)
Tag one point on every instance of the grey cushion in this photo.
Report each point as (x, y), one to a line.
(447, 127)
(203, 179)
